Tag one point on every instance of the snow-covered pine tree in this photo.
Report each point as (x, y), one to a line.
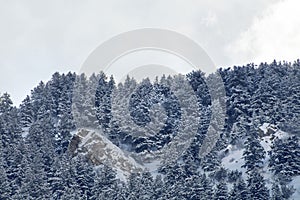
(26, 112)
(158, 188)
(276, 192)
(253, 154)
(103, 100)
(239, 191)
(221, 191)
(285, 157)
(257, 186)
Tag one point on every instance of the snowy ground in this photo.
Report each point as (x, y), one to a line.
(25, 132)
(234, 160)
(296, 184)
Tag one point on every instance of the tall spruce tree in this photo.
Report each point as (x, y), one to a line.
(257, 186)
(253, 154)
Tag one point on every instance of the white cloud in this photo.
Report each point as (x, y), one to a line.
(40, 37)
(210, 19)
(273, 35)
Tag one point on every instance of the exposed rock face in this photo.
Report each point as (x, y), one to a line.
(102, 151)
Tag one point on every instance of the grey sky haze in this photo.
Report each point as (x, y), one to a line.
(39, 38)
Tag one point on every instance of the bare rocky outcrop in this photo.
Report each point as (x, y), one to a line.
(100, 150)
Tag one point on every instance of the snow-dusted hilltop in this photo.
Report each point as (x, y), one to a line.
(78, 137)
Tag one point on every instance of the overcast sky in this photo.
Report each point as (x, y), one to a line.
(40, 37)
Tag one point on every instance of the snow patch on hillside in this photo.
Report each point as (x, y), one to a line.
(152, 167)
(296, 184)
(234, 160)
(25, 132)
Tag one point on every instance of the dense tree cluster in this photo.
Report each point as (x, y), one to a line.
(35, 162)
